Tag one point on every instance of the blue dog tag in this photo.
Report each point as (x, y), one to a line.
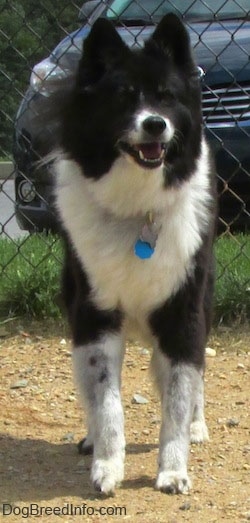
(143, 250)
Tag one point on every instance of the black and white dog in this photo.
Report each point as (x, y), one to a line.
(135, 192)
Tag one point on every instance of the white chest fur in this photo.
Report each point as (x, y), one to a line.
(104, 220)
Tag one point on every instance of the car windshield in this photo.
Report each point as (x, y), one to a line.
(152, 11)
(149, 12)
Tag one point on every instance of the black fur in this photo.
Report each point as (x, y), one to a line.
(87, 322)
(162, 74)
(117, 91)
(182, 324)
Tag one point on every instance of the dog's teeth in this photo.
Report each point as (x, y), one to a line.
(162, 154)
(141, 155)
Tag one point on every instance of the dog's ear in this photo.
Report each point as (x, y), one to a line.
(172, 38)
(103, 49)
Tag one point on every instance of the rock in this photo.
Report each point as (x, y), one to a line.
(137, 398)
(210, 352)
(232, 422)
(81, 467)
(71, 398)
(144, 352)
(185, 506)
(68, 437)
(20, 384)
(155, 421)
(81, 463)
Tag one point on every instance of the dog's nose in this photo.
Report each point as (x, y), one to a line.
(154, 125)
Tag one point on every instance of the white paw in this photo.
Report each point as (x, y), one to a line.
(173, 482)
(106, 474)
(198, 432)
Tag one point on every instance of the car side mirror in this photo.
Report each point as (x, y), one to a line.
(87, 9)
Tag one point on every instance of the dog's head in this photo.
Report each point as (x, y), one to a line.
(142, 104)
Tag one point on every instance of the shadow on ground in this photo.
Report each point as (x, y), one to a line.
(34, 469)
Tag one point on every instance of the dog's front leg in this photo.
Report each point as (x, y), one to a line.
(178, 384)
(97, 369)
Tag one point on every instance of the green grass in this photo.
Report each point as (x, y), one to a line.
(30, 279)
(232, 291)
(30, 271)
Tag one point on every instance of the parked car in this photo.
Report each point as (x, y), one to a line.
(220, 37)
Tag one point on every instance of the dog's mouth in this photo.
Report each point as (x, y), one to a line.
(148, 154)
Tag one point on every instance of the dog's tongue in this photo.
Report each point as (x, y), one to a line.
(150, 151)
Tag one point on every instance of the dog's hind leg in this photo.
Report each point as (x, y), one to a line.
(97, 367)
(198, 429)
(178, 383)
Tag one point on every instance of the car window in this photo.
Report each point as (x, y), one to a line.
(192, 10)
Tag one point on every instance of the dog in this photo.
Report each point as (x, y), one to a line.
(135, 192)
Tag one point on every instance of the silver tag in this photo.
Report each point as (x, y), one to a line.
(149, 234)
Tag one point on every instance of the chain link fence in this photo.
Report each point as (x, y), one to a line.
(41, 40)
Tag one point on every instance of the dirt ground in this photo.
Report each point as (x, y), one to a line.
(41, 422)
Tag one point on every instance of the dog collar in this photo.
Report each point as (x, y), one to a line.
(145, 246)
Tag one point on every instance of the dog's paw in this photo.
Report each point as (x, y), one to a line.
(85, 446)
(173, 482)
(198, 432)
(107, 474)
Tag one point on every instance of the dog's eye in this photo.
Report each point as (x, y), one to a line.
(124, 90)
(87, 89)
(164, 93)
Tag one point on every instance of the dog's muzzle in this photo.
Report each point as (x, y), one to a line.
(151, 150)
